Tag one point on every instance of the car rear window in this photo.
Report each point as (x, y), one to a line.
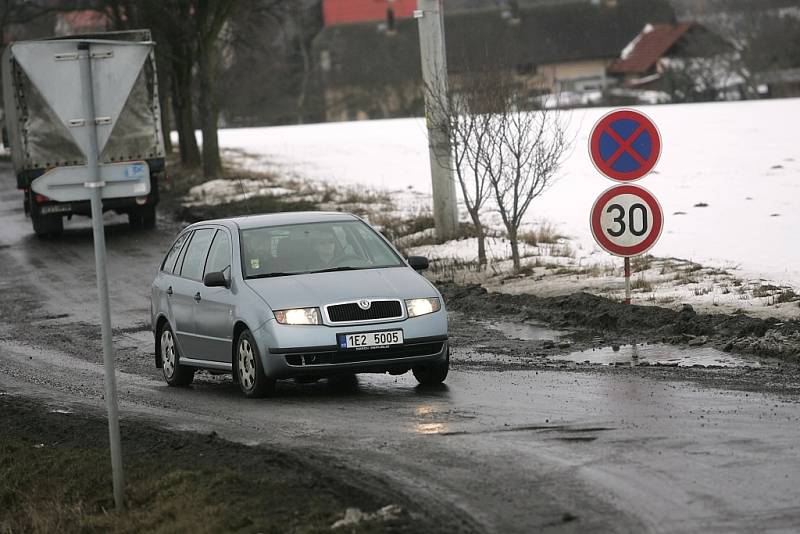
(168, 265)
(219, 256)
(195, 259)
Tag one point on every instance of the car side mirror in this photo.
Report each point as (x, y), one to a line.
(215, 279)
(418, 263)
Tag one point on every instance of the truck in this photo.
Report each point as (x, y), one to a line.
(40, 142)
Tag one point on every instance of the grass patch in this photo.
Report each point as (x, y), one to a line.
(787, 295)
(563, 250)
(640, 283)
(251, 206)
(764, 290)
(55, 477)
(545, 233)
(642, 263)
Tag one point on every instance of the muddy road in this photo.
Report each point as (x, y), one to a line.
(515, 442)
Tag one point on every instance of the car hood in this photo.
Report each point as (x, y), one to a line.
(306, 290)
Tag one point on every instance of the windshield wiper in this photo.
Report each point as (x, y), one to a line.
(268, 275)
(334, 269)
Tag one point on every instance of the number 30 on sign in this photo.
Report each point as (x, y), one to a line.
(626, 220)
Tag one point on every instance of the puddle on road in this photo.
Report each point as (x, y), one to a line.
(658, 354)
(525, 331)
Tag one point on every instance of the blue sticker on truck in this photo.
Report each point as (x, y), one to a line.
(135, 170)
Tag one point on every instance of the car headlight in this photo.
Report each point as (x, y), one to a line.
(298, 316)
(417, 307)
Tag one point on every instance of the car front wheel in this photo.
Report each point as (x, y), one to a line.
(249, 372)
(432, 374)
(175, 374)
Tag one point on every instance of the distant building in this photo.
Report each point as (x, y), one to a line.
(372, 69)
(83, 21)
(676, 58)
(336, 12)
(779, 83)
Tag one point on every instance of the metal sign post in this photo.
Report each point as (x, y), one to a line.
(95, 185)
(627, 280)
(434, 76)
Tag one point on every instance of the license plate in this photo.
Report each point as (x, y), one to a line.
(370, 340)
(55, 208)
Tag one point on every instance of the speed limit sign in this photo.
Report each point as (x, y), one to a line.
(626, 220)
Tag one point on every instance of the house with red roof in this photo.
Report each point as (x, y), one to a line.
(667, 56)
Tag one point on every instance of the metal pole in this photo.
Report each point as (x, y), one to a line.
(434, 76)
(627, 280)
(95, 186)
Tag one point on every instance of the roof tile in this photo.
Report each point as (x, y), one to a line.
(652, 43)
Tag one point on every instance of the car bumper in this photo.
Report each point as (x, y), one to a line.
(289, 351)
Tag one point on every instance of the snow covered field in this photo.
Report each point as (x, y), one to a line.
(740, 158)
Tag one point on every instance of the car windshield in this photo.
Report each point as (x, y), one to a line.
(313, 248)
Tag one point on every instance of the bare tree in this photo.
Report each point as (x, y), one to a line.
(702, 69)
(188, 32)
(764, 39)
(209, 17)
(464, 116)
(527, 149)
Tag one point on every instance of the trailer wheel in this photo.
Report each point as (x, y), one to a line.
(144, 217)
(149, 217)
(45, 226)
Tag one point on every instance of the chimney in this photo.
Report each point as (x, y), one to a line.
(391, 28)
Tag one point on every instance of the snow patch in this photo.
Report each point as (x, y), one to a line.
(630, 47)
(222, 191)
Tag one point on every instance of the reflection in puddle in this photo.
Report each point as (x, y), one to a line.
(425, 409)
(430, 428)
(664, 355)
(525, 331)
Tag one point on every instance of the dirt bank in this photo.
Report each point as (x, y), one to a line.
(607, 321)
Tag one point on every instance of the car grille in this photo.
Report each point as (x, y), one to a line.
(353, 356)
(380, 309)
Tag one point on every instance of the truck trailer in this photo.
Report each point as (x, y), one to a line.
(39, 142)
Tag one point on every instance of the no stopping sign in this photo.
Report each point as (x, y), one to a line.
(625, 145)
(626, 220)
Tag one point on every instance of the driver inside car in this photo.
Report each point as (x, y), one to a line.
(324, 245)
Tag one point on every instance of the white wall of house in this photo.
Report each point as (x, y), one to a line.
(585, 75)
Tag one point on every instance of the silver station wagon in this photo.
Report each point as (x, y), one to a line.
(294, 295)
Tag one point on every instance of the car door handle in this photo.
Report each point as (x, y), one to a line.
(197, 296)
(169, 290)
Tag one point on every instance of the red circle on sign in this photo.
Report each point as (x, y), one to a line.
(605, 166)
(597, 213)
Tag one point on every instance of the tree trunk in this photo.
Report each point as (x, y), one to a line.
(479, 230)
(182, 104)
(209, 113)
(512, 237)
(164, 89)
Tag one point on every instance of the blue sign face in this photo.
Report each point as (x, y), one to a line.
(625, 145)
(632, 138)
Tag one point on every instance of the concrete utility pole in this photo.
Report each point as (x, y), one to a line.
(430, 14)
